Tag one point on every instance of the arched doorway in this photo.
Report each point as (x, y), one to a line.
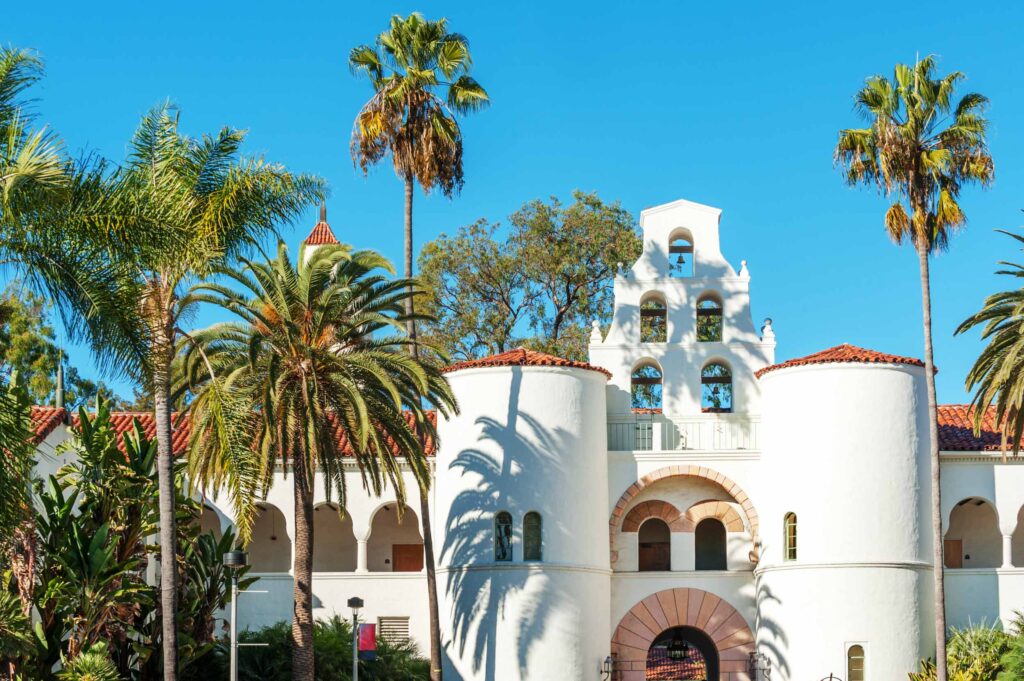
(655, 546)
(725, 630)
(682, 654)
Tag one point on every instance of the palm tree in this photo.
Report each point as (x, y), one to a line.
(920, 149)
(420, 76)
(318, 352)
(996, 373)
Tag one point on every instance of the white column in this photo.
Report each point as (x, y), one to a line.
(1007, 550)
(361, 555)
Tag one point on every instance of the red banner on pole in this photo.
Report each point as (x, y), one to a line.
(367, 641)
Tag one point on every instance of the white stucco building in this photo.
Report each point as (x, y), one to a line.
(677, 503)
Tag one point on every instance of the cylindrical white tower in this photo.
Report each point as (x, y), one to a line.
(530, 442)
(849, 582)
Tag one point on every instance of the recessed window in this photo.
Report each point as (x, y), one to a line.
(655, 546)
(709, 544)
(709, 319)
(680, 256)
(653, 320)
(503, 536)
(716, 388)
(645, 387)
(789, 537)
(855, 663)
(532, 536)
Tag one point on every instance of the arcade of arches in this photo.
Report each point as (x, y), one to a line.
(682, 631)
(389, 544)
(974, 538)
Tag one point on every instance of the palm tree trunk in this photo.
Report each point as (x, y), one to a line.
(162, 348)
(933, 437)
(303, 658)
(428, 537)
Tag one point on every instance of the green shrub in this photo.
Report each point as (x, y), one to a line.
(332, 643)
(91, 665)
(974, 653)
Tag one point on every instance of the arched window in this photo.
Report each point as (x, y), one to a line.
(709, 544)
(503, 536)
(709, 319)
(645, 387)
(655, 545)
(653, 321)
(680, 255)
(532, 536)
(716, 388)
(789, 537)
(855, 663)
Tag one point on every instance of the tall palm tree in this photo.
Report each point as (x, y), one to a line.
(997, 375)
(199, 203)
(318, 352)
(920, 149)
(420, 76)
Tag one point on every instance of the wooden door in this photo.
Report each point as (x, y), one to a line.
(655, 556)
(953, 553)
(406, 557)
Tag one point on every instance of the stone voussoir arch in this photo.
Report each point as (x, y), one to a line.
(713, 508)
(655, 508)
(714, 476)
(646, 620)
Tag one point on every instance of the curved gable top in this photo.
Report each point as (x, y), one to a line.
(523, 357)
(843, 354)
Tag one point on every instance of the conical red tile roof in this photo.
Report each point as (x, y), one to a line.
(840, 354)
(524, 357)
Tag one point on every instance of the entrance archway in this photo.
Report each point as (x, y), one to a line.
(692, 609)
(682, 654)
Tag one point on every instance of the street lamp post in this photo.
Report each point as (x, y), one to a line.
(355, 603)
(234, 561)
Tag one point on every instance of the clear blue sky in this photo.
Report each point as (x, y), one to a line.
(730, 104)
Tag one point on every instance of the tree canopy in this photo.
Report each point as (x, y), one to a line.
(540, 283)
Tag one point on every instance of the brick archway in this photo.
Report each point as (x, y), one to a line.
(722, 481)
(654, 508)
(682, 607)
(721, 510)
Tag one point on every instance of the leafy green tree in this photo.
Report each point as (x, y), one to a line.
(996, 377)
(318, 351)
(920, 148)
(28, 346)
(420, 76)
(541, 286)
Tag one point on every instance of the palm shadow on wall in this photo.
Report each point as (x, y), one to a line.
(765, 595)
(481, 597)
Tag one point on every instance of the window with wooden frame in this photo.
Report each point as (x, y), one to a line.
(653, 320)
(716, 389)
(855, 659)
(646, 387)
(709, 319)
(533, 544)
(503, 536)
(789, 537)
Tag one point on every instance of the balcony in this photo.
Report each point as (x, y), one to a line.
(705, 432)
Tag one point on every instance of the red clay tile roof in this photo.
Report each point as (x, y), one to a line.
(844, 353)
(956, 430)
(321, 235)
(523, 357)
(44, 421)
(647, 410)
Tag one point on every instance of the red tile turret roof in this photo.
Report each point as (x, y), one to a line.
(44, 421)
(844, 353)
(321, 233)
(524, 358)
